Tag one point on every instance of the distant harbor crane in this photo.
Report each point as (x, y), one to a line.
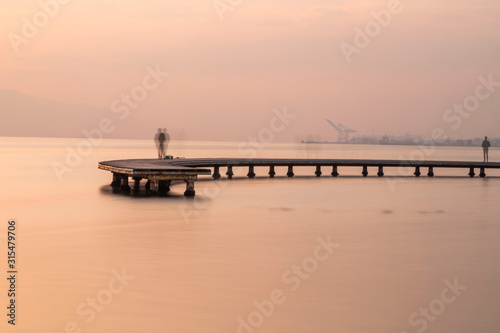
(343, 132)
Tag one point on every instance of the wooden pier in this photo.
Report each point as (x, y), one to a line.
(160, 173)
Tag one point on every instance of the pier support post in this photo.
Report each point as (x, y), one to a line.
(471, 173)
(148, 187)
(163, 187)
(216, 174)
(189, 188)
(125, 187)
(365, 171)
(431, 172)
(318, 172)
(229, 172)
(335, 172)
(117, 179)
(137, 184)
(290, 171)
(153, 186)
(417, 171)
(251, 173)
(482, 174)
(271, 171)
(380, 172)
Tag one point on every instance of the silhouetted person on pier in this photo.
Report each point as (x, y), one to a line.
(166, 142)
(160, 140)
(485, 145)
(157, 142)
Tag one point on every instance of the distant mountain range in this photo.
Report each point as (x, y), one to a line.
(23, 115)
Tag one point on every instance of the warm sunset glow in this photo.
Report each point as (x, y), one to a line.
(249, 166)
(263, 55)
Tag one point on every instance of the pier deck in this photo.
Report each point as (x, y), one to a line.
(160, 173)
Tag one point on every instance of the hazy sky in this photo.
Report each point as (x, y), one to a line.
(227, 75)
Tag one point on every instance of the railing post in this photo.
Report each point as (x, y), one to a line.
(251, 173)
(365, 171)
(229, 172)
(271, 171)
(431, 172)
(318, 171)
(290, 171)
(335, 172)
(380, 171)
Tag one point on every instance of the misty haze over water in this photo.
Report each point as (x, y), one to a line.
(204, 264)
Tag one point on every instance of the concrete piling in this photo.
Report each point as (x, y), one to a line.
(117, 179)
(471, 173)
(335, 172)
(251, 172)
(124, 184)
(417, 171)
(163, 187)
(365, 171)
(137, 184)
(272, 173)
(482, 174)
(318, 171)
(190, 192)
(380, 172)
(229, 172)
(216, 174)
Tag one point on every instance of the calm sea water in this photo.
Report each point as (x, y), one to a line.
(348, 254)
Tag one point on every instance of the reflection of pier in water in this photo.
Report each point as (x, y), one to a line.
(160, 173)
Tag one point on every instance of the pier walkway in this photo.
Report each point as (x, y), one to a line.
(160, 173)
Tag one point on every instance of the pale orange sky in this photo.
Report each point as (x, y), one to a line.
(227, 76)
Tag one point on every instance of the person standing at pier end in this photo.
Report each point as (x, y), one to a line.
(485, 145)
(160, 140)
(165, 144)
